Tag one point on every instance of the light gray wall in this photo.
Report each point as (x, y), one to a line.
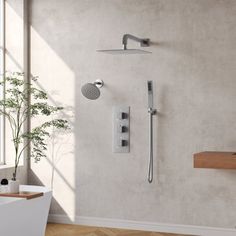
(193, 69)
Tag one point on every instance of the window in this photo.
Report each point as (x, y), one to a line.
(2, 70)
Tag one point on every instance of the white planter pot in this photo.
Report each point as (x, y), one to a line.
(14, 186)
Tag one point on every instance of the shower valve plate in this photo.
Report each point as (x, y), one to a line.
(121, 129)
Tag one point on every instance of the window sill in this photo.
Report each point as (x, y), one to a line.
(8, 166)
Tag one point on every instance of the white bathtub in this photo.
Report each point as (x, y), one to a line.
(21, 217)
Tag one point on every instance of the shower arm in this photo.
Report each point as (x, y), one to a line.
(99, 83)
(143, 42)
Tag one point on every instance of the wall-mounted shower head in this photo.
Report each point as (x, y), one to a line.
(144, 42)
(124, 51)
(92, 90)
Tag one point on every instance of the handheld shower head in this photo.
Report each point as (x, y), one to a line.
(91, 90)
(150, 94)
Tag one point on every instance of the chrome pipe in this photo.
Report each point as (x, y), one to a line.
(144, 42)
(150, 166)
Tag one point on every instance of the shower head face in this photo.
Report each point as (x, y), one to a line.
(90, 91)
(124, 51)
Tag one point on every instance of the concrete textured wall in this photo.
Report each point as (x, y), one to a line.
(193, 69)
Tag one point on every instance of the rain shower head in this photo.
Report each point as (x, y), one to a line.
(144, 42)
(124, 51)
(91, 90)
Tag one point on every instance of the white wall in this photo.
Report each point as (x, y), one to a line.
(193, 69)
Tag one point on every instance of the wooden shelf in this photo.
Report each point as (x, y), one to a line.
(215, 160)
(26, 195)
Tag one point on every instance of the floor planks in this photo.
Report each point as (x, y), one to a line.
(76, 230)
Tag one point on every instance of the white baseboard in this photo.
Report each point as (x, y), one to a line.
(146, 226)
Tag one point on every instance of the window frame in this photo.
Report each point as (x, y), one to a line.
(2, 76)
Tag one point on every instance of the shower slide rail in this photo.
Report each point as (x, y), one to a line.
(151, 113)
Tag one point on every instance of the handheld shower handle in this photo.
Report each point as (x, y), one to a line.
(150, 94)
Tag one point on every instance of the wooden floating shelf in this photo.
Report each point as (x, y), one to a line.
(26, 195)
(215, 160)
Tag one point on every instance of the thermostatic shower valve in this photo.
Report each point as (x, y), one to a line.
(121, 130)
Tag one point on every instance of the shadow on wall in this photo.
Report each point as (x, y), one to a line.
(55, 205)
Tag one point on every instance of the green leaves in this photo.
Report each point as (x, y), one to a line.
(37, 137)
(16, 107)
(42, 108)
(57, 123)
(38, 94)
(40, 133)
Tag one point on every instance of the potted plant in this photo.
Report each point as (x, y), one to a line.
(16, 108)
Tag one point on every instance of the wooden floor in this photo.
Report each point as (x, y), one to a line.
(75, 230)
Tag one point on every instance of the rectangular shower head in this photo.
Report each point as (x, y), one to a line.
(124, 51)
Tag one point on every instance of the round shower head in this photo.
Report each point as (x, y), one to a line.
(91, 90)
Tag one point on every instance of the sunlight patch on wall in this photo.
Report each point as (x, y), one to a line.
(57, 79)
(14, 39)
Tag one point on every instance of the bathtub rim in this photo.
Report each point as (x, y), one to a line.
(27, 188)
(35, 188)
